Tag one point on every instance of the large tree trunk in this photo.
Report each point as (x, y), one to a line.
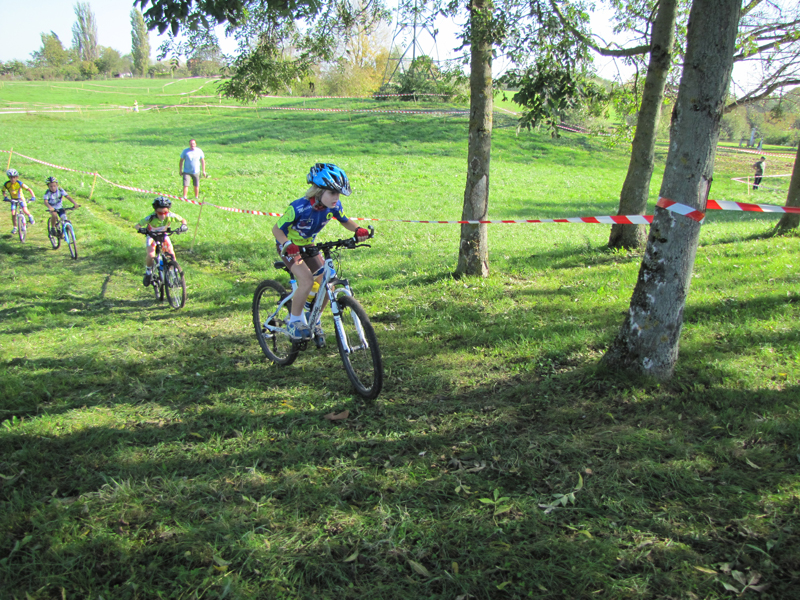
(792, 220)
(648, 340)
(473, 254)
(636, 189)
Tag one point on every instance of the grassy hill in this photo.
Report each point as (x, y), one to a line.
(152, 453)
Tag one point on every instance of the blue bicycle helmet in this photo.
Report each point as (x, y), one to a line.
(12, 173)
(329, 177)
(50, 180)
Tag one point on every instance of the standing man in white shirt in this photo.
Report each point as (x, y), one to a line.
(190, 165)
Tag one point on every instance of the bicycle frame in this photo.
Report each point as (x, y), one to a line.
(334, 287)
(355, 336)
(159, 261)
(63, 222)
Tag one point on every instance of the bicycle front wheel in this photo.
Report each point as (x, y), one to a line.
(22, 226)
(53, 234)
(276, 345)
(358, 347)
(69, 234)
(158, 283)
(175, 285)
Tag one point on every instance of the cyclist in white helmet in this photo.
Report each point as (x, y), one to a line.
(53, 201)
(13, 192)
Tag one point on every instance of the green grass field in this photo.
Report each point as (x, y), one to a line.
(150, 453)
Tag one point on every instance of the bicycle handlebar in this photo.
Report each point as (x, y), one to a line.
(349, 243)
(151, 233)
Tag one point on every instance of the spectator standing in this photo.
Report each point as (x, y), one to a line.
(191, 165)
(759, 166)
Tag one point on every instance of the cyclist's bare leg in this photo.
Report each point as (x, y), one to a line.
(305, 281)
(151, 255)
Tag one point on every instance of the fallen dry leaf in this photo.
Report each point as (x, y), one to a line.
(338, 416)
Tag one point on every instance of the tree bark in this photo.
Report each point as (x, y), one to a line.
(792, 220)
(473, 254)
(648, 341)
(636, 189)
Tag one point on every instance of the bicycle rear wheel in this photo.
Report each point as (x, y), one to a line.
(69, 234)
(276, 345)
(358, 348)
(53, 234)
(22, 226)
(175, 285)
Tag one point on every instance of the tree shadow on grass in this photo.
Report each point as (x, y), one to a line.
(260, 486)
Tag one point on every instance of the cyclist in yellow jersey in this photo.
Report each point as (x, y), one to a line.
(13, 192)
(158, 222)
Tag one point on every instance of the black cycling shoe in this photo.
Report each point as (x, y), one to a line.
(148, 277)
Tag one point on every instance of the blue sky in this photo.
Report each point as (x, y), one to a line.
(25, 20)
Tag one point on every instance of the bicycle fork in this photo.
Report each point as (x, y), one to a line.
(337, 322)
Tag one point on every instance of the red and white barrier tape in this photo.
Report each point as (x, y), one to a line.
(618, 219)
(355, 97)
(681, 209)
(41, 162)
(664, 203)
(366, 110)
(747, 207)
(757, 152)
(151, 192)
(749, 181)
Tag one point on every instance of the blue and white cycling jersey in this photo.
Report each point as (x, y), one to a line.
(54, 199)
(301, 222)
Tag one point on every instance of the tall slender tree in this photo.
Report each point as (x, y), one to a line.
(84, 32)
(636, 188)
(473, 253)
(140, 43)
(792, 220)
(649, 338)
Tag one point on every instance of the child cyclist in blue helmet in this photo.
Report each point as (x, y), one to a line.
(296, 230)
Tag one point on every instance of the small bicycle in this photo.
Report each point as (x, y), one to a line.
(167, 273)
(22, 223)
(67, 233)
(355, 336)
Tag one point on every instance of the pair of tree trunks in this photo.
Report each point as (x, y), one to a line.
(647, 343)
